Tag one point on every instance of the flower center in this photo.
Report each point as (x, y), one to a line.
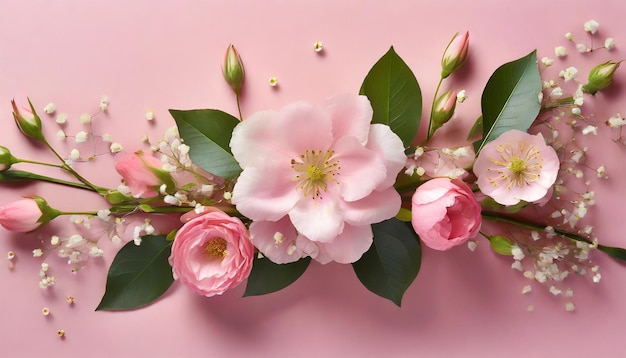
(518, 165)
(216, 248)
(315, 169)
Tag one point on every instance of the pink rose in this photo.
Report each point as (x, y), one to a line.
(139, 173)
(212, 253)
(21, 215)
(445, 213)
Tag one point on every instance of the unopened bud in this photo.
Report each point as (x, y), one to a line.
(28, 121)
(233, 69)
(455, 55)
(600, 77)
(501, 245)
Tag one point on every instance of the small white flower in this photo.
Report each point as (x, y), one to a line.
(581, 47)
(50, 108)
(61, 118)
(579, 99)
(616, 121)
(74, 241)
(526, 289)
(104, 103)
(149, 115)
(591, 26)
(569, 73)
(61, 135)
(461, 97)
(81, 137)
(601, 171)
(576, 111)
(95, 251)
(609, 43)
(85, 118)
(37, 252)
(171, 199)
(569, 306)
(124, 189)
(517, 252)
(104, 214)
(106, 137)
(116, 147)
(471, 245)
(555, 291)
(560, 51)
(590, 129)
(517, 265)
(569, 36)
(547, 61)
(556, 92)
(228, 195)
(74, 154)
(137, 241)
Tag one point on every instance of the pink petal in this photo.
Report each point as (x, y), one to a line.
(347, 247)
(264, 238)
(362, 170)
(265, 192)
(303, 127)
(318, 219)
(252, 138)
(389, 146)
(376, 207)
(350, 115)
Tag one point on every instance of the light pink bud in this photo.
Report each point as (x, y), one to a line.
(21, 216)
(443, 110)
(455, 55)
(28, 121)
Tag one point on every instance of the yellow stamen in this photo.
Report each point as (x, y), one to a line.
(216, 248)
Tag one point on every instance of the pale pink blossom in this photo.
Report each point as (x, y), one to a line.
(212, 253)
(455, 55)
(445, 213)
(139, 173)
(516, 166)
(325, 166)
(21, 215)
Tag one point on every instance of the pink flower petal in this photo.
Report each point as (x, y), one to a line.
(376, 207)
(276, 240)
(351, 116)
(388, 145)
(347, 247)
(362, 170)
(317, 219)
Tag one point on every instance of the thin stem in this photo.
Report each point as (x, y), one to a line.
(432, 109)
(238, 106)
(69, 169)
(14, 175)
(39, 163)
(557, 104)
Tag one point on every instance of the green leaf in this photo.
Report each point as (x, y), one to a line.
(267, 277)
(207, 132)
(476, 131)
(395, 96)
(389, 267)
(510, 99)
(138, 275)
(615, 252)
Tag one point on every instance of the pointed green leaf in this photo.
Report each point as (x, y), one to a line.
(389, 267)
(207, 132)
(267, 277)
(138, 275)
(395, 96)
(476, 132)
(511, 98)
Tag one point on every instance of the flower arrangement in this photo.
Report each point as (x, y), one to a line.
(343, 181)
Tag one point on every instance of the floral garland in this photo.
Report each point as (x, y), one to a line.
(343, 181)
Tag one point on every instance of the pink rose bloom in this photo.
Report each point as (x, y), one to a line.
(138, 173)
(212, 253)
(516, 166)
(21, 215)
(445, 213)
(326, 168)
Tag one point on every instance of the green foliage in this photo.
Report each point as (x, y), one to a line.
(207, 132)
(267, 277)
(395, 96)
(138, 275)
(510, 99)
(392, 263)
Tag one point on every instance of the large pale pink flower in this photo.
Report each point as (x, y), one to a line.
(516, 166)
(445, 213)
(212, 253)
(324, 167)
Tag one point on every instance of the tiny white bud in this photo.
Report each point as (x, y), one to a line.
(461, 96)
(116, 147)
(547, 61)
(74, 154)
(591, 26)
(61, 118)
(149, 115)
(85, 118)
(609, 43)
(569, 36)
(81, 137)
(560, 51)
(50, 108)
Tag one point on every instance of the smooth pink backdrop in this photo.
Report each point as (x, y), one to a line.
(167, 54)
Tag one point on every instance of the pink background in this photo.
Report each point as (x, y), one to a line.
(167, 54)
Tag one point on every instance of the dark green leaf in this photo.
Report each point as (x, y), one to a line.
(615, 252)
(510, 99)
(138, 275)
(395, 95)
(267, 277)
(389, 267)
(477, 130)
(207, 132)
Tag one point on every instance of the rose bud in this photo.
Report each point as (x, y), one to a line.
(6, 159)
(143, 175)
(600, 77)
(455, 55)
(28, 121)
(442, 111)
(26, 214)
(233, 69)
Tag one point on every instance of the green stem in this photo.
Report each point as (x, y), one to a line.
(20, 160)
(15, 175)
(69, 169)
(78, 213)
(432, 109)
(616, 252)
(557, 104)
(238, 106)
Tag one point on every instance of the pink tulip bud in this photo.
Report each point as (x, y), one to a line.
(26, 214)
(28, 121)
(443, 110)
(455, 55)
(233, 69)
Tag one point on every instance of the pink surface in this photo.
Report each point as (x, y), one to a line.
(165, 54)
